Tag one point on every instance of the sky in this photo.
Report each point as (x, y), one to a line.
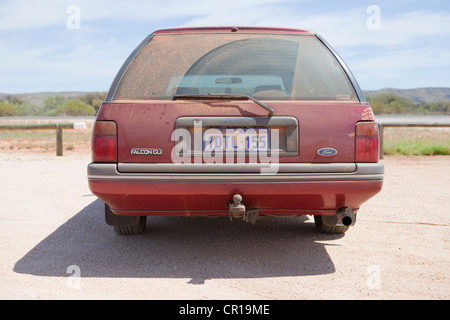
(79, 45)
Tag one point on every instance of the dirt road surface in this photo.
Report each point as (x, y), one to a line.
(54, 243)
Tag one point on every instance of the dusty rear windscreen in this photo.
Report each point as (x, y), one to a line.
(264, 66)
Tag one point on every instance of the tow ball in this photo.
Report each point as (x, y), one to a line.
(238, 210)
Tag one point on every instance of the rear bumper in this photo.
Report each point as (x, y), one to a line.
(294, 189)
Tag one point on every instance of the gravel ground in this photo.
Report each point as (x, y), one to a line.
(54, 243)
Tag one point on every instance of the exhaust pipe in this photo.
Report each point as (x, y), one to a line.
(344, 217)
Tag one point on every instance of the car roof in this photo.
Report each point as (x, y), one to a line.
(234, 29)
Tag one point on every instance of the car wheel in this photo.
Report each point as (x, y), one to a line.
(328, 229)
(127, 230)
(125, 225)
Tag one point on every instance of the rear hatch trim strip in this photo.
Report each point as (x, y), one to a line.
(235, 167)
(103, 172)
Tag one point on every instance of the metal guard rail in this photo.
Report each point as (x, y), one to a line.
(382, 125)
(58, 126)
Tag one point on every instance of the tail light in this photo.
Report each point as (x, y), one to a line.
(104, 141)
(367, 142)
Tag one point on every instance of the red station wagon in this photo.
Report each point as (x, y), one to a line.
(234, 121)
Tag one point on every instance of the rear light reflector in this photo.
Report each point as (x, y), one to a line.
(104, 142)
(367, 142)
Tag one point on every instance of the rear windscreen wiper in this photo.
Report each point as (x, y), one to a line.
(224, 96)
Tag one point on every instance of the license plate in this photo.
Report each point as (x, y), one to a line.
(240, 139)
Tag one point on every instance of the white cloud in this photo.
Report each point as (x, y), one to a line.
(19, 14)
(407, 68)
(349, 28)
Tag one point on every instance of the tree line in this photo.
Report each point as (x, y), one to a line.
(84, 105)
(88, 104)
(391, 103)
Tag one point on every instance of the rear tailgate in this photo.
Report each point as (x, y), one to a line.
(304, 128)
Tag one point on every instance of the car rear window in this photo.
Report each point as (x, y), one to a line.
(264, 66)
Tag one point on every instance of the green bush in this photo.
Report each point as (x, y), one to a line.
(13, 99)
(390, 103)
(51, 104)
(85, 105)
(16, 107)
(7, 109)
(94, 99)
(74, 108)
(441, 106)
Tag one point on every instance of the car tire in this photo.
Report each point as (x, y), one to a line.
(128, 230)
(125, 225)
(318, 219)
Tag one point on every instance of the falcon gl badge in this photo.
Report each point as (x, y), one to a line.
(146, 152)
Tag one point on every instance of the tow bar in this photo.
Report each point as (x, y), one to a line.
(238, 210)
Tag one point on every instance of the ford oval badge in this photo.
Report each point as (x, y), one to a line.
(326, 152)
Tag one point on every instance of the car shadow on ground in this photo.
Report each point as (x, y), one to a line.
(197, 248)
